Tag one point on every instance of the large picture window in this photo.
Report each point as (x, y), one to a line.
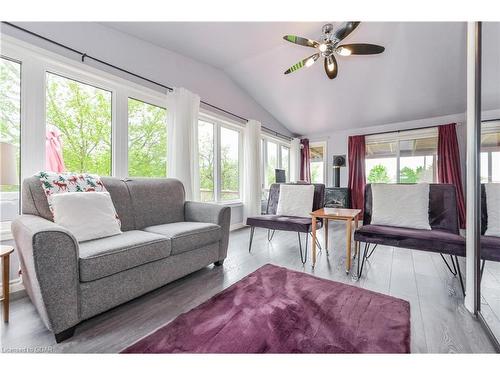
(78, 118)
(147, 137)
(275, 155)
(403, 157)
(10, 134)
(318, 162)
(219, 148)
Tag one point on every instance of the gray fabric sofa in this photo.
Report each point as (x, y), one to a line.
(164, 238)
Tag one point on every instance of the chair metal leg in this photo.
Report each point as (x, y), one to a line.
(303, 257)
(483, 262)
(454, 271)
(460, 275)
(363, 259)
(252, 229)
(371, 252)
(270, 234)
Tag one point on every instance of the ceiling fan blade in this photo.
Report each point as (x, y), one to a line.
(331, 66)
(307, 62)
(346, 29)
(359, 49)
(301, 41)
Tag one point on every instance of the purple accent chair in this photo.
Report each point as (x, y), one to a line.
(273, 222)
(443, 238)
(490, 245)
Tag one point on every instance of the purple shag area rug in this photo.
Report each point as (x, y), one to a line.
(276, 310)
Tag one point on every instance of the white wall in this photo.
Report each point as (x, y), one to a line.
(148, 60)
(337, 141)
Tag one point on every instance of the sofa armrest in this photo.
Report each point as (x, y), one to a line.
(49, 261)
(211, 213)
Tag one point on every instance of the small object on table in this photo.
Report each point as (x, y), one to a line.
(344, 214)
(5, 252)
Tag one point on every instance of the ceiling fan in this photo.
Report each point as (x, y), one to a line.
(329, 46)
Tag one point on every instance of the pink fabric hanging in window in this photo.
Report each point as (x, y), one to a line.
(53, 150)
(305, 160)
(449, 171)
(357, 175)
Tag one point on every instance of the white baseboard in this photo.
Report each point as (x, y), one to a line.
(236, 226)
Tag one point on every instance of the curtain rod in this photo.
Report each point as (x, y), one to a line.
(84, 56)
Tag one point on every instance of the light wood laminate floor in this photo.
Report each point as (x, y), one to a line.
(439, 321)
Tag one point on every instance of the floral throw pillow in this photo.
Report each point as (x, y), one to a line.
(57, 183)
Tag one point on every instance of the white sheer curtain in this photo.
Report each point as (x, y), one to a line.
(252, 175)
(182, 123)
(295, 160)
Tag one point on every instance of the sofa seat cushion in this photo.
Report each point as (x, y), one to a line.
(188, 235)
(286, 223)
(435, 240)
(107, 256)
(490, 248)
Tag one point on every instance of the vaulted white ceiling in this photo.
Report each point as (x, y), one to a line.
(421, 74)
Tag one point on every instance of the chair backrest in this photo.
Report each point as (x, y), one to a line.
(443, 210)
(139, 202)
(274, 194)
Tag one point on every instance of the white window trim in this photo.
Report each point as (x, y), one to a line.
(324, 145)
(219, 122)
(280, 142)
(489, 127)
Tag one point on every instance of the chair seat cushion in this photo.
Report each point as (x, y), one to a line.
(490, 248)
(188, 235)
(435, 240)
(107, 256)
(286, 223)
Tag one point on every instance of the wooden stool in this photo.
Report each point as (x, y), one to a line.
(5, 252)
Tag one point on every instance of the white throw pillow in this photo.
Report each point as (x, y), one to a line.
(401, 205)
(493, 209)
(86, 215)
(295, 200)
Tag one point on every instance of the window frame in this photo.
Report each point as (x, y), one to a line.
(397, 137)
(265, 138)
(323, 144)
(489, 127)
(219, 122)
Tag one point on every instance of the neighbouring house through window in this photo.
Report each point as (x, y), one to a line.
(402, 157)
(490, 151)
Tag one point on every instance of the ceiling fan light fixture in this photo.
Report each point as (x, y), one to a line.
(310, 61)
(322, 47)
(330, 66)
(342, 51)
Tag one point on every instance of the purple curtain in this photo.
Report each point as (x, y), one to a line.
(305, 161)
(357, 179)
(449, 171)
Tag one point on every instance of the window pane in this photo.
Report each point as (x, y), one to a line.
(10, 132)
(79, 118)
(317, 172)
(285, 161)
(271, 163)
(495, 167)
(484, 167)
(414, 169)
(147, 139)
(206, 155)
(381, 170)
(229, 158)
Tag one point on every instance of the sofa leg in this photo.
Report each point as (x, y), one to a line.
(64, 335)
(219, 263)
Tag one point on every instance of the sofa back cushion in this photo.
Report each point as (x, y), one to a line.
(274, 194)
(156, 201)
(443, 211)
(139, 203)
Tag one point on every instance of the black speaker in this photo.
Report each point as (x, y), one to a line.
(339, 160)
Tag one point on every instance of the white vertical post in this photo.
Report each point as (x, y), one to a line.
(473, 148)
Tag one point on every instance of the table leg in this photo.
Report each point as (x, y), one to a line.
(326, 235)
(356, 243)
(5, 282)
(348, 240)
(314, 240)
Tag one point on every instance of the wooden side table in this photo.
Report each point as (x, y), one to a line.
(344, 214)
(5, 252)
